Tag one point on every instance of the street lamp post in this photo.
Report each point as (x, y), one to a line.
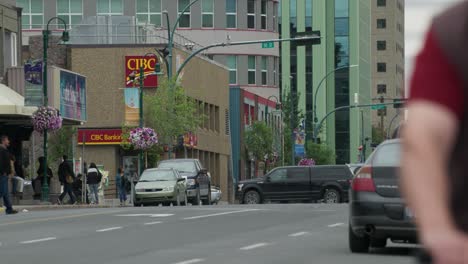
(45, 43)
(315, 119)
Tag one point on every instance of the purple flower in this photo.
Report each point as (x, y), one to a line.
(46, 118)
(306, 162)
(143, 138)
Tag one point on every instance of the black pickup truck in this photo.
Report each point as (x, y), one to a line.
(298, 183)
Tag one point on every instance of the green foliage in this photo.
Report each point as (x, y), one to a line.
(321, 153)
(290, 110)
(60, 143)
(377, 135)
(259, 140)
(170, 112)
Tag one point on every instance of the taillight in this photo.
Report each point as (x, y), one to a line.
(363, 181)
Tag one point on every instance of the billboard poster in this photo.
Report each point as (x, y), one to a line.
(33, 93)
(132, 107)
(133, 64)
(72, 96)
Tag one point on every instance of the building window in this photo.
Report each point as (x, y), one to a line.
(381, 88)
(232, 66)
(381, 67)
(264, 70)
(263, 13)
(71, 11)
(381, 45)
(33, 13)
(381, 23)
(207, 13)
(109, 7)
(149, 12)
(381, 2)
(250, 13)
(252, 69)
(184, 21)
(231, 13)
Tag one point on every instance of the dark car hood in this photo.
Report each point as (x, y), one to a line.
(260, 179)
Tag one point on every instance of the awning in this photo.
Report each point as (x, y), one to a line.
(12, 109)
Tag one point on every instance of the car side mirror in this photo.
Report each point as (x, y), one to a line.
(180, 180)
(203, 171)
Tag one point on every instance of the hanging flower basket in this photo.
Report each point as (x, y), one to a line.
(143, 138)
(306, 162)
(46, 117)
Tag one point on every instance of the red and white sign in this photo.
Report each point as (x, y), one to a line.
(100, 136)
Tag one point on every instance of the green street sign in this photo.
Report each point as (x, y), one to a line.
(268, 45)
(378, 107)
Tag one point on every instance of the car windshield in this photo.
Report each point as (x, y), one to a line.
(158, 175)
(181, 166)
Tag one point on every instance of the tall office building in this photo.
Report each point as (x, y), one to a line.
(251, 67)
(388, 60)
(341, 63)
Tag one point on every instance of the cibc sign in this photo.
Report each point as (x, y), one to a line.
(133, 64)
(99, 136)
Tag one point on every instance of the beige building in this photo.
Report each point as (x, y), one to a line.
(388, 51)
(203, 80)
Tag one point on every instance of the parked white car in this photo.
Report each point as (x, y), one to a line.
(216, 195)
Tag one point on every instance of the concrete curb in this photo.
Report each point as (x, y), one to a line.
(59, 207)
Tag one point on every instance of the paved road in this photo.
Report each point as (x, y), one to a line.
(276, 233)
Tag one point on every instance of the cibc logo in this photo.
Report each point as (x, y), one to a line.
(133, 65)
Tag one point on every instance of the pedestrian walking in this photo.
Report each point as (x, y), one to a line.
(38, 182)
(66, 178)
(5, 168)
(435, 139)
(120, 183)
(93, 178)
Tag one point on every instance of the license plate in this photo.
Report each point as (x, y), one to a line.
(409, 213)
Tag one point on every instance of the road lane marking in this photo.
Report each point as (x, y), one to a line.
(57, 218)
(298, 234)
(38, 240)
(218, 214)
(150, 215)
(335, 225)
(109, 229)
(153, 223)
(191, 261)
(254, 246)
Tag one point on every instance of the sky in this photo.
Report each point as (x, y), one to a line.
(418, 14)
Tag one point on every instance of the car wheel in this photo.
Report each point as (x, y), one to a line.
(252, 197)
(331, 196)
(378, 243)
(358, 244)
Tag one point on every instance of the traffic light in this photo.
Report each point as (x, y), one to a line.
(399, 103)
(382, 99)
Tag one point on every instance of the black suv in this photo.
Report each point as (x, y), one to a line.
(298, 183)
(198, 178)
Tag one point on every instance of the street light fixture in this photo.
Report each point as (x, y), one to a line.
(141, 78)
(315, 119)
(45, 38)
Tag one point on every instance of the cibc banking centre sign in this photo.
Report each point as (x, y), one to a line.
(133, 64)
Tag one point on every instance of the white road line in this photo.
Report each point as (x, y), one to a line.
(218, 214)
(149, 215)
(109, 229)
(153, 223)
(254, 246)
(38, 240)
(191, 261)
(335, 225)
(298, 234)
